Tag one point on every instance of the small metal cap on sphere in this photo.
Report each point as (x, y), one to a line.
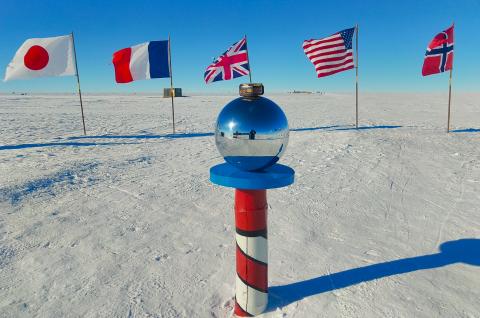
(251, 89)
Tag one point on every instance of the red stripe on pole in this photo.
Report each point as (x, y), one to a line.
(251, 209)
(251, 219)
(121, 62)
(252, 273)
(240, 312)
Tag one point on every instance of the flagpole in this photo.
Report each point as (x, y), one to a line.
(171, 84)
(248, 59)
(356, 76)
(449, 93)
(449, 99)
(78, 84)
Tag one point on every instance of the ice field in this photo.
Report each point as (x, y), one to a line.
(383, 221)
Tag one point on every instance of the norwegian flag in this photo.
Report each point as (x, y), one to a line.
(439, 55)
(231, 64)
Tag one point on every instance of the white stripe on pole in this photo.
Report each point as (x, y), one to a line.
(139, 62)
(255, 247)
(251, 300)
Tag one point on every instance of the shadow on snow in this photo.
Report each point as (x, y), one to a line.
(463, 251)
(339, 127)
(314, 128)
(369, 127)
(77, 174)
(465, 130)
(61, 144)
(196, 135)
(171, 136)
(145, 136)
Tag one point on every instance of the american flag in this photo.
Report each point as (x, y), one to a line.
(231, 64)
(332, 54)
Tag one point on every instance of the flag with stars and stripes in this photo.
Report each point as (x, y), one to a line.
(231, 64)
(439, 55)
(332, 54)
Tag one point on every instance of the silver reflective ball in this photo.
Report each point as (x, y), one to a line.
(251, 133)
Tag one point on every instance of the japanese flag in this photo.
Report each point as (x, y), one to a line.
(43, 57)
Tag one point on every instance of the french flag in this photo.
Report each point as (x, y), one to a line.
(142, 61)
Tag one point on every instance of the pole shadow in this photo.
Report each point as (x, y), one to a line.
(208, 134)
(314, 128)
(464, 251)
(63, 144)
(369, 127)
(465, 130)
(145, 136)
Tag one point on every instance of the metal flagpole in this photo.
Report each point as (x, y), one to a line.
(356, 76)
(171, 83)
(449, 94)
(248, 59)
(78, 84)
(449, 99)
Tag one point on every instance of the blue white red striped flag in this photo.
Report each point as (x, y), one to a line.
(143, 61)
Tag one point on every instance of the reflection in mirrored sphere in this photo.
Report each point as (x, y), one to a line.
(251, 133)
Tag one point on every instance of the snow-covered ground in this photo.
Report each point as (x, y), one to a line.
(381, 222)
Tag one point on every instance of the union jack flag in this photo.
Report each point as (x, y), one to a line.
(231, 64)
(439, 55)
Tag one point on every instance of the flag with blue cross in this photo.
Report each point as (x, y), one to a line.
(439, 55)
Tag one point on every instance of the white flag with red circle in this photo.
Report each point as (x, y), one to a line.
(43, 57)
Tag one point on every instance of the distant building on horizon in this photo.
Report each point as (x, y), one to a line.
(177, 92)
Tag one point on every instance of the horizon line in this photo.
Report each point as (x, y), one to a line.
(193, 93)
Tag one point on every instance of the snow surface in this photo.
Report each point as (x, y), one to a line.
(125, 223)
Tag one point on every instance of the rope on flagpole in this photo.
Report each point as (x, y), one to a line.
(356, 76)
(171, 84)
(248, 59)
(78, 83)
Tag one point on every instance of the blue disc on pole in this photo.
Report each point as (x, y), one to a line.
(276, 176)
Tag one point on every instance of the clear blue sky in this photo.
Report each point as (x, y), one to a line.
(393, 38)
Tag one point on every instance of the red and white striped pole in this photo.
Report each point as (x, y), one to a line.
(251, 297)
(251, 169)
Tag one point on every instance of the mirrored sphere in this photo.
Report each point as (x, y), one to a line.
(251, 133)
